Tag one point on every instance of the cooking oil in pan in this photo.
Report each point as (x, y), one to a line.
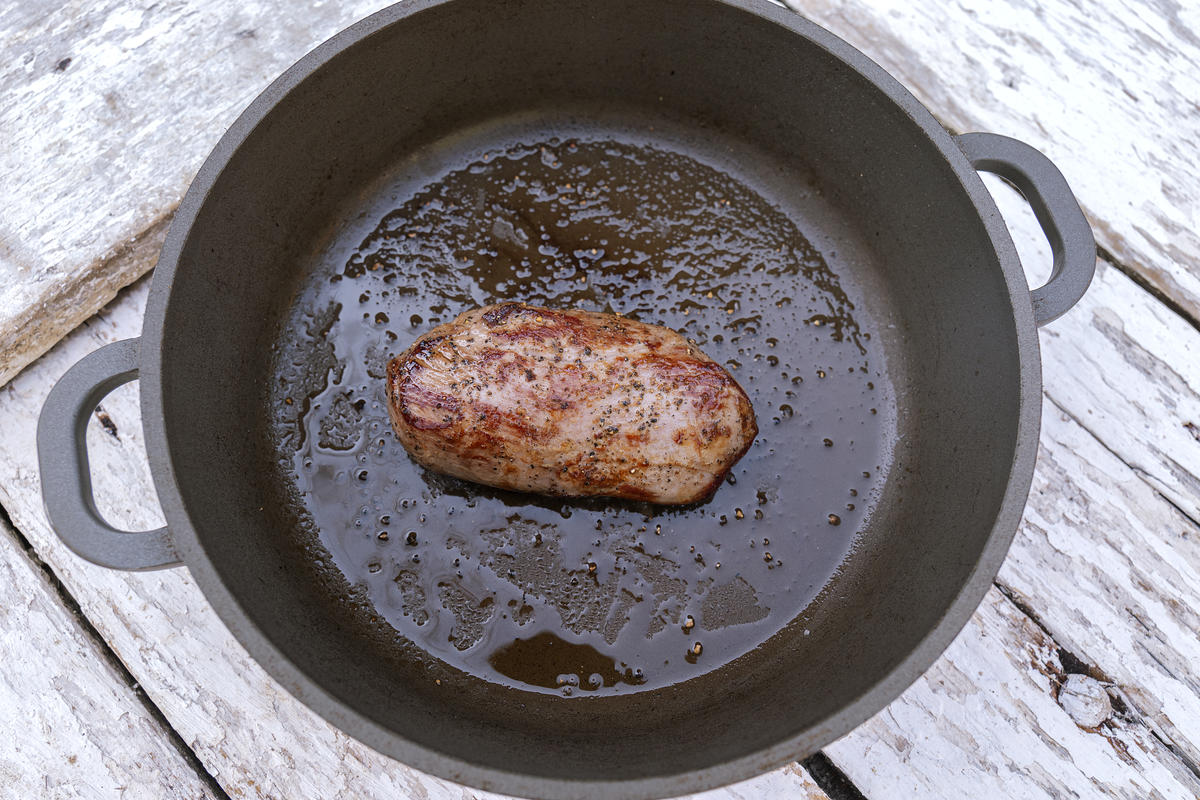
(567, 596)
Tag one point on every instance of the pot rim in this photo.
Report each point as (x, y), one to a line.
(366, 730)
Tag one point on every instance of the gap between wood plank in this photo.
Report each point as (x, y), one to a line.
(1140, 280)
(113, 659)
(1142, 475)
(1072, 663)
(832, 780)
(1136, 470)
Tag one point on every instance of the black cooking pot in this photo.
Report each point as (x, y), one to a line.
(962, 350)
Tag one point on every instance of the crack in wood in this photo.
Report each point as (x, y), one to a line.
(1154, 291)
(73, 608)
(1171, 748)
(1122, 705)
(110, 427)
(1071, 663)
(1182, 512)
(1142, 474)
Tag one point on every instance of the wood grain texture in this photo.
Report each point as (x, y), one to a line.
(1129, 370)
(70, 724)
(1108, 557)
(1106, 560)
(252, 736)
(1113, 572)
(107, 109)
(983, 722)
(1106, 89)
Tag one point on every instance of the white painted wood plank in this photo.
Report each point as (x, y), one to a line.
(1126, 369)
(982, 722)
(1129, 370)
(70, 725)
(250, 734)
(1123, 368)
(1113, 572)
(107, 109)
(1107, 88)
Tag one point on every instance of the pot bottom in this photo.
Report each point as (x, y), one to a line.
(621, 213)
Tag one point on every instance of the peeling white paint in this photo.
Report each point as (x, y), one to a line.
(121, 18)
(70, 726)
(1108, 566)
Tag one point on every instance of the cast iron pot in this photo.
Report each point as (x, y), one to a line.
(969, 403)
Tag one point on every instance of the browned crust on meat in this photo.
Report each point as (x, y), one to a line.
(415, 403)
(569, 403)
(720, 477)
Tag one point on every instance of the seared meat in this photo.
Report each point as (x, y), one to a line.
(569, 403)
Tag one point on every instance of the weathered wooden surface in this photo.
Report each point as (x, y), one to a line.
(983, 722)
(1106, 89)
(70, 724)
(1117, 493)
(107, 109)
(1129, 370)
(1123, 364)
(1113, 572)
(1105, 569)
(1106, 560)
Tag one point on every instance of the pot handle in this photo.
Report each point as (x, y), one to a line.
(1056, 209)
(63, 463)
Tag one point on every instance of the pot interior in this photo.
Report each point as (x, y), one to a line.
(429, 168)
